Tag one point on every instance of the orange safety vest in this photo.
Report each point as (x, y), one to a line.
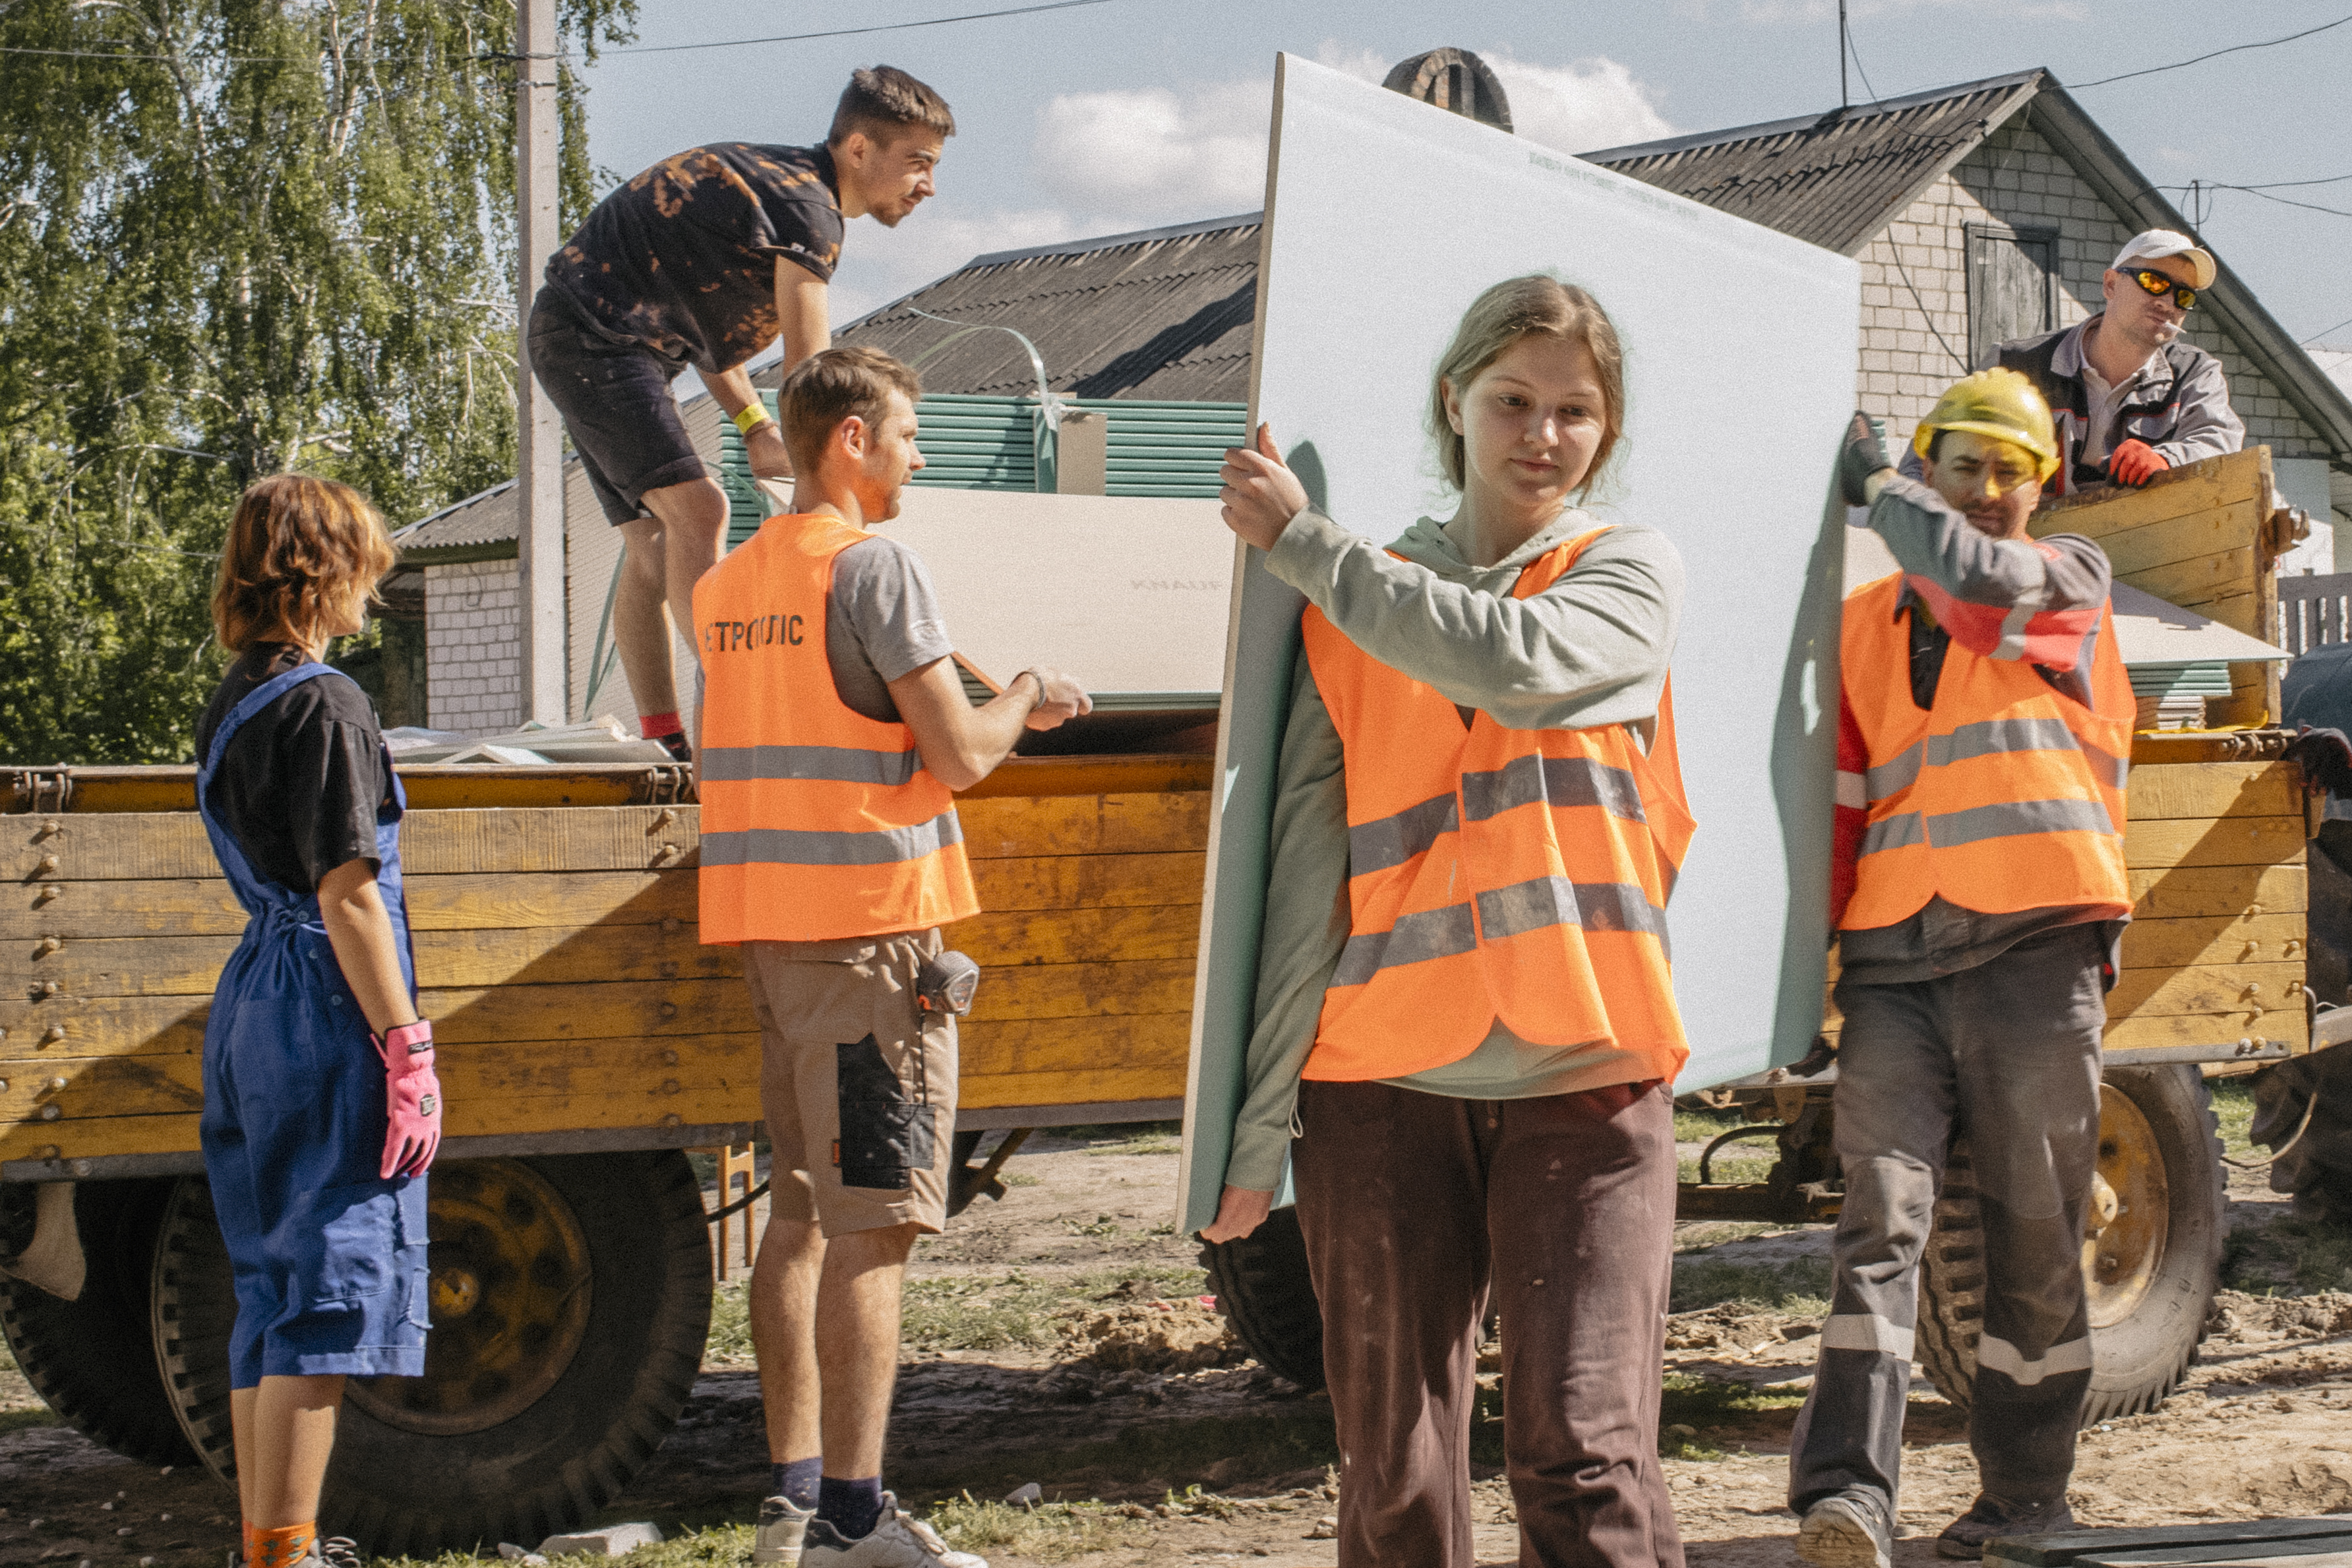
(2006, 795)
(818, 822)
(1518, 874)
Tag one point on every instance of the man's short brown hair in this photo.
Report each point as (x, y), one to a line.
(884, 102)
(826, 388)
(299, 548)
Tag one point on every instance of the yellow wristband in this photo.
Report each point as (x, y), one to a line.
(751, 416)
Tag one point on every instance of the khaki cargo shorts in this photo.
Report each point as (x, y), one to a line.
(857, 1081)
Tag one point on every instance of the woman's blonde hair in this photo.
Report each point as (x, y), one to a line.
(1533, 306)
(299, 548)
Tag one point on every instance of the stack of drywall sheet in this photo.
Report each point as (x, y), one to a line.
(2235, 1544)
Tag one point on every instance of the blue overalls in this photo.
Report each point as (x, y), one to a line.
(329, 1257)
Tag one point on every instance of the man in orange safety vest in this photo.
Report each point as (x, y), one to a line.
(833, 729)
(1978, 893)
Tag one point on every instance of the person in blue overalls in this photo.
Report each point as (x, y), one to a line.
(322, 1109)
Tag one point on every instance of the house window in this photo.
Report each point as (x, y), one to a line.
(2011, 285)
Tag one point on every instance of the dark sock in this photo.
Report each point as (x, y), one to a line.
(852, 1507)
(795, 1482)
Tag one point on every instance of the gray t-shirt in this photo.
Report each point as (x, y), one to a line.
(882, 620)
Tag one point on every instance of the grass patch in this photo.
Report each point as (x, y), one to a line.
(1729, 1165)
(1000, 1311)
(1698, 1236)
(1705, 1126)
(1147, 1459)
(28, 1417)
(1050, 1532)
(2234, 1107)
(2288, 1256)
(1018, 1179)
(715, 1546)
(1696, 1406)
(731, 1324)
(1800, 1287)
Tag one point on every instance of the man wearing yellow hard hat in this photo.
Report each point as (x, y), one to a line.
(1978, 893)
(2128, 395)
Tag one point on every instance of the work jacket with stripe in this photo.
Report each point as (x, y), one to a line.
(1495, 873)
(2006, 795)
(818, 822)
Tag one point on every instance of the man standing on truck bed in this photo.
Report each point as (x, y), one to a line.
(2130, 398)
(835, 727)
(1979, 891)
(704, 259)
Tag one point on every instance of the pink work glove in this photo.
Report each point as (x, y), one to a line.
(413, 1097)
(2135, 463)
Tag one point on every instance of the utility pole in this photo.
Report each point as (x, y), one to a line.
(539, 444)
(1845, 98)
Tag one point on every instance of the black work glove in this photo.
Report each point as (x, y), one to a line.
(1864, 454)
(2326, 758)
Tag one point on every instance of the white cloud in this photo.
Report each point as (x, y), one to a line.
(879, 265)
(1149, 154)
(1579, 107)
(1367, 65)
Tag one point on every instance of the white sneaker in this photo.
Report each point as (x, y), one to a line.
(899, 1540)
(782, 1528)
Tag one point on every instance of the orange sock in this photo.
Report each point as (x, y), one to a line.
(280, 1548)
(245, 1542)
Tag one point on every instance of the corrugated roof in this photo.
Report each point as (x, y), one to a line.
(1833, 179)
(479, 528)
(1161, 314)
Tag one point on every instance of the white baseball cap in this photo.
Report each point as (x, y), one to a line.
(2155, 244)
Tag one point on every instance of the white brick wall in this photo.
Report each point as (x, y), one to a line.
(473, 646)
(2014, 178)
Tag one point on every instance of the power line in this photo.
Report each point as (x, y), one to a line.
(609, 49)
(852, 32)
(2315, 337)
(2200, 59)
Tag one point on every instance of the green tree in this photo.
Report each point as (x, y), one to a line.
(237, 236)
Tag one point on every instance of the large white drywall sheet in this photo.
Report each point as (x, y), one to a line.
(1126, 593)
(1385, 219)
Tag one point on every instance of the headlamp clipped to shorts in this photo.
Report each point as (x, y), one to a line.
(946, 983)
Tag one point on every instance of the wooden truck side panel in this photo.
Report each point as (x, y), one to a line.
(558, 955)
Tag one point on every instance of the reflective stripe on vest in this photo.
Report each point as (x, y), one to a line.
(818, 822)
(1495, 873)
(2007, 795)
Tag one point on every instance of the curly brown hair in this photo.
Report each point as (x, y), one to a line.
(299, 549)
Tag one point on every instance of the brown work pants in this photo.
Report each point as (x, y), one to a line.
(1411, 1202)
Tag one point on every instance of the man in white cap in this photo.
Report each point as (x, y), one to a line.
(2131, 396)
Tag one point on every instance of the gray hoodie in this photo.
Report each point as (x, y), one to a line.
(1591, 649)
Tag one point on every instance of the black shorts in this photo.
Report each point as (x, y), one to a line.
(616, 405)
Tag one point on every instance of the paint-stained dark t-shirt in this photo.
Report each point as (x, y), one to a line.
(301, 781)
(683, 258)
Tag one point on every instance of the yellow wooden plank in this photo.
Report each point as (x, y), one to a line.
(174, 1134)
(2223, 841)
(1062, 1045)
(1086, 825)
(2168, 541)
(601, 839)
(2214, 939)
(2201, 486)
(1087, 882)
(477, 900)
(2206, 988)
(2224, 575)
(185, 906)
(2204, 890)
(2219, 1032)
(2170, 790)
(74, 848)
(33, 1032)
(1135, 773)
(1018, 937)
(1079, 1086)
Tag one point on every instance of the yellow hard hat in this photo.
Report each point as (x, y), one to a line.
(2000, 404)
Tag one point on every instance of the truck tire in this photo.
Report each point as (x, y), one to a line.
(571, 1299)
(87, 1358)
(1264, 1289)
(2152, 1269)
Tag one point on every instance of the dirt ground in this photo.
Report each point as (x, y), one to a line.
(1090, 1366)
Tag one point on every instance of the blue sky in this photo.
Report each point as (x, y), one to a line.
(1137, 112)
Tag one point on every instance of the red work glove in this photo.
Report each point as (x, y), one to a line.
(2135, 463)
(413, 1098)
